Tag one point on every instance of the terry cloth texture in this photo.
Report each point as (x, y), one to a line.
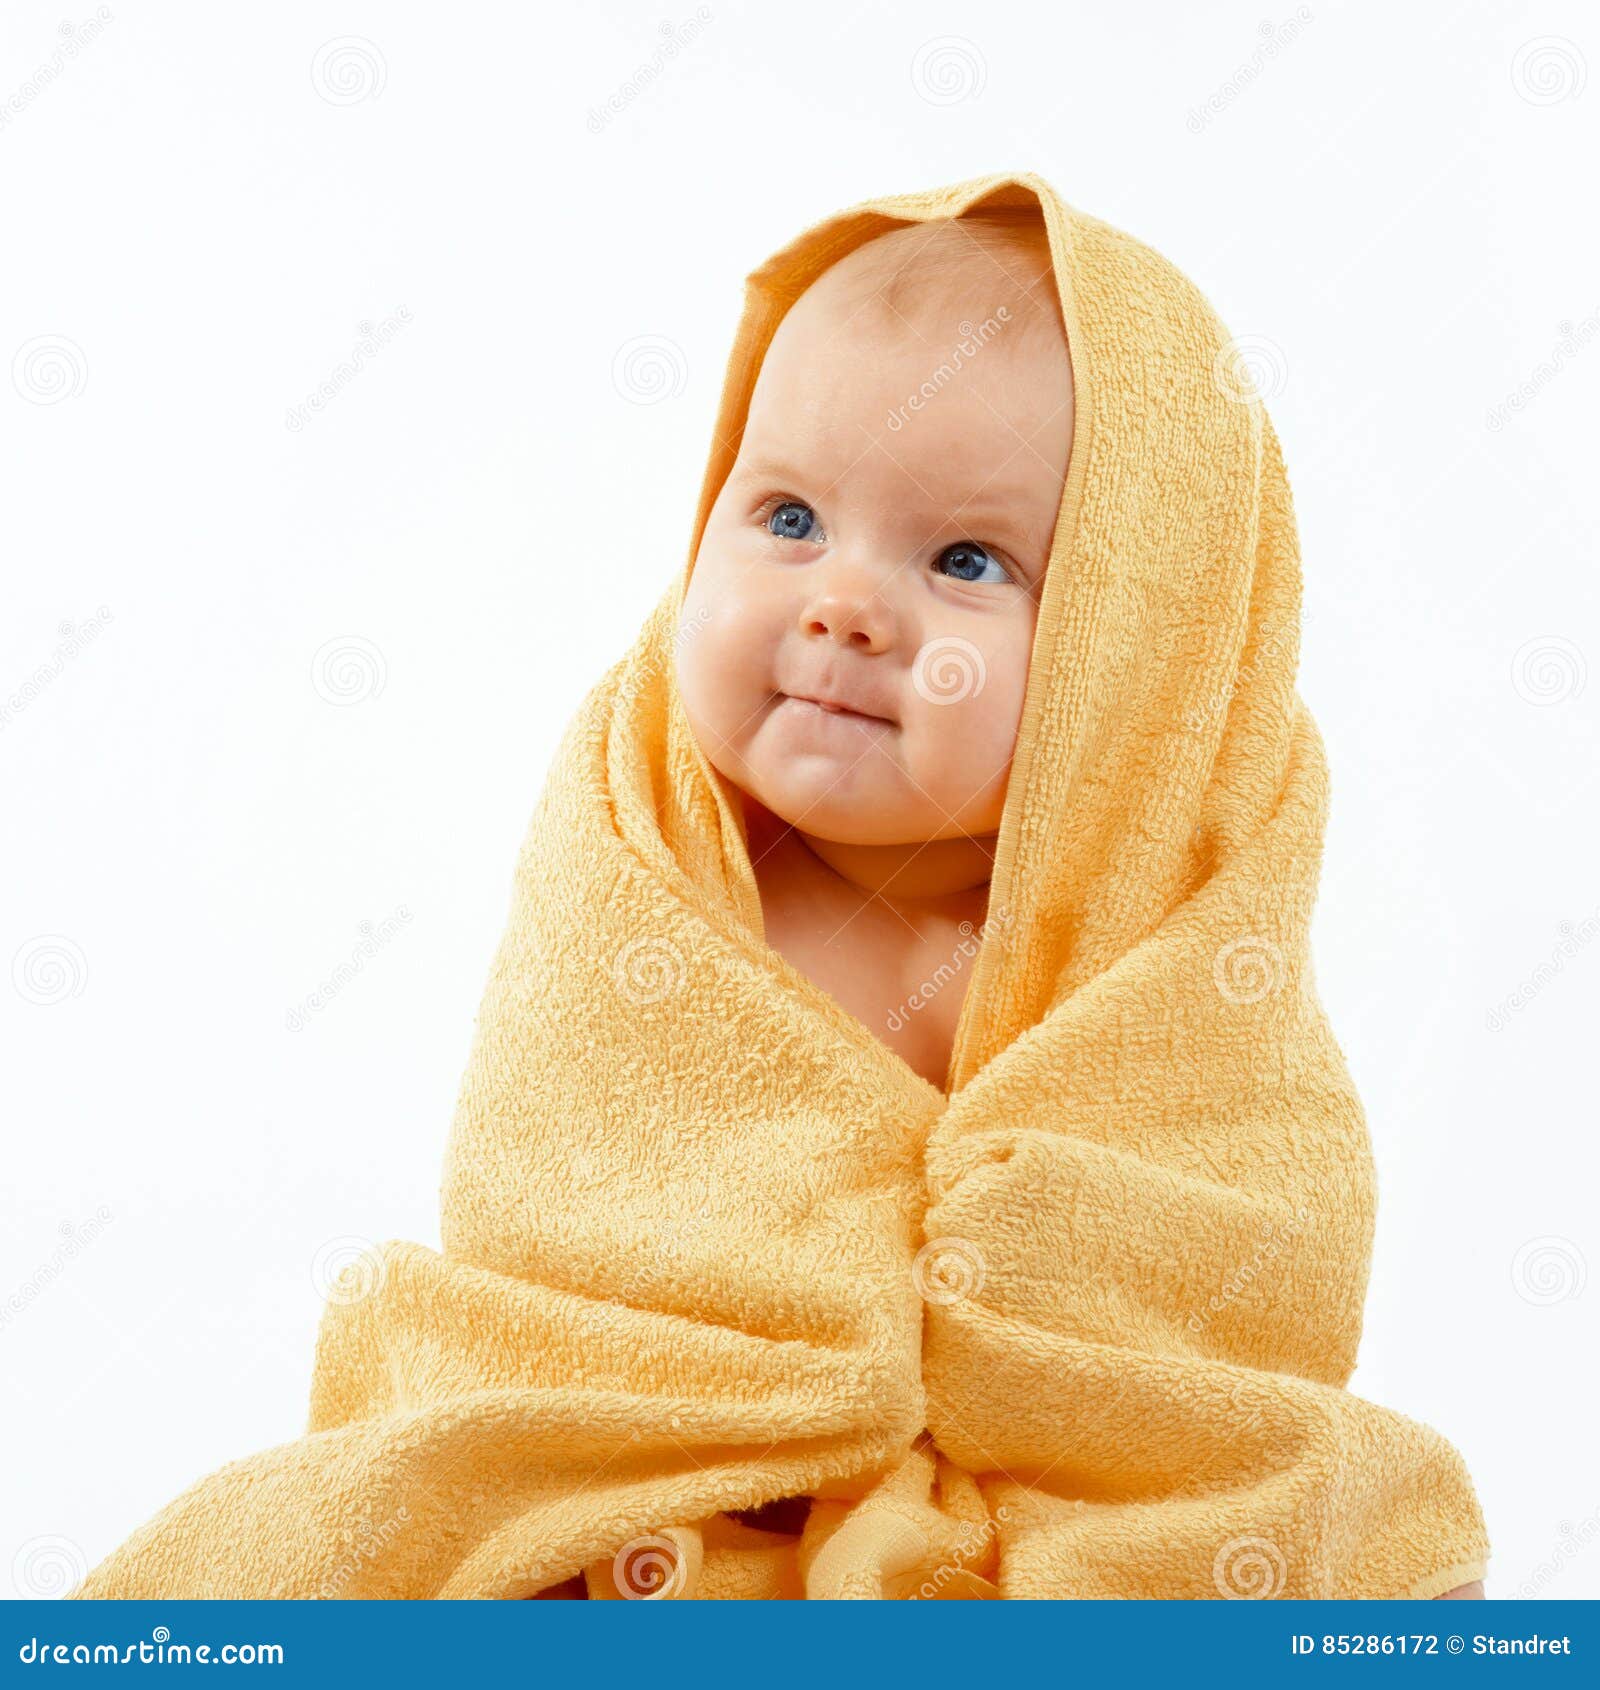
(1078, 1324)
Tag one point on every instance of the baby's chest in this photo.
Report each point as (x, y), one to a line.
(904, 986)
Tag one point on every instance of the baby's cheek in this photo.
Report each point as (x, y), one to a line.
(959, 754)
(724, 660)
(988, 751)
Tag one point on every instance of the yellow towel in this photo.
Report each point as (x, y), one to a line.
(1079, 1328)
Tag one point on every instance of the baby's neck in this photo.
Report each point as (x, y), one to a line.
(948, 876)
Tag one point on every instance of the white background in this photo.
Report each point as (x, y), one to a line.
(1394, 205)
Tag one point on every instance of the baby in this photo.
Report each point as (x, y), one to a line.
(868, 544)
(943, 1303)
(869, 536)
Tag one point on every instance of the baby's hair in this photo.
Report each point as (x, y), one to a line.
(964, 268)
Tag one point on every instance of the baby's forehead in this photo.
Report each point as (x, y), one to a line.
(842, 383)
(953, 262)
(935, 306)
(841, 373)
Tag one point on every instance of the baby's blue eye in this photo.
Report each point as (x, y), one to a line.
(964, 555)
(791, 521)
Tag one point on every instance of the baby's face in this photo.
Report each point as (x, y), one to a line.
(895, 570)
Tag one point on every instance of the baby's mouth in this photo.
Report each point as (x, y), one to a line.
(822, 710)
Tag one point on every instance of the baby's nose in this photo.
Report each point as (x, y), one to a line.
(851, 607)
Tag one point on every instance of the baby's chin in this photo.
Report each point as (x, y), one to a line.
(856, 808)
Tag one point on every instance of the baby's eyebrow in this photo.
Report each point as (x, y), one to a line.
(1001, 513)
(765, 465)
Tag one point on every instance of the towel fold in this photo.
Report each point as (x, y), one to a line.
(1079, 1327)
